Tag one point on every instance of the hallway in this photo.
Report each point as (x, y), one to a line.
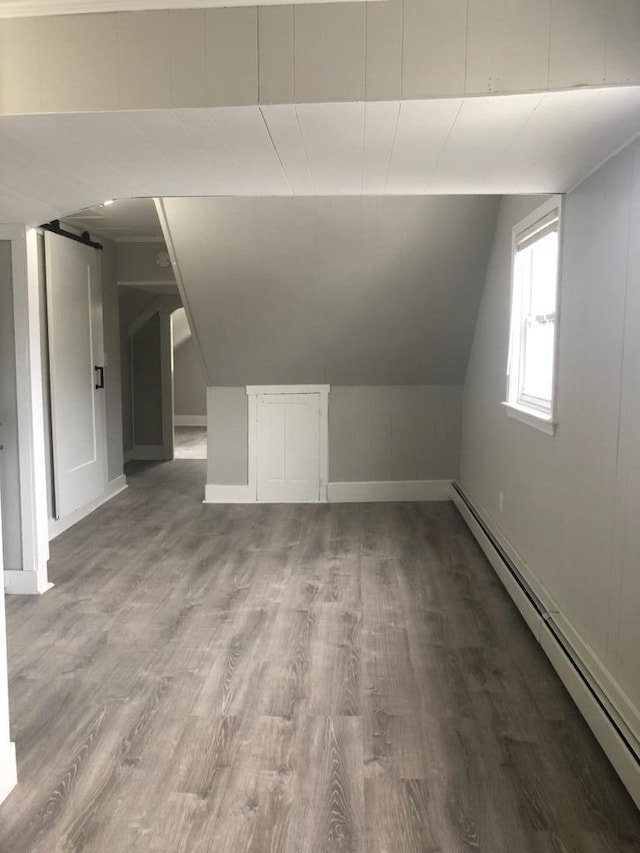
(300, 678)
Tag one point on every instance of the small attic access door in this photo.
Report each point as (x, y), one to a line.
(290, 443)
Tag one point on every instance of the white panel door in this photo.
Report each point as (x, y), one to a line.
(288, 445)
(74, 304)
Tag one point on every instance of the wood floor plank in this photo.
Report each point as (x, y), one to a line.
(290, 679)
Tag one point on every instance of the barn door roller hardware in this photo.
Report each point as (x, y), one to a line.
(84, 238)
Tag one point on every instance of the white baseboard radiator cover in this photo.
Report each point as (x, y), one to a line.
(616, 738)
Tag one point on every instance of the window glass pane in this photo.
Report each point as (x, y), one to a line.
(544, 264)
(536, 278)
(537, 371)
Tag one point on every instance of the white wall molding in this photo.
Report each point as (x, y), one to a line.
(31, 438)
(190, 420)
(37, 8)
(252, 390)
(390, 490)
(215, 493)
(8, 772)
(59, 525)
(602, 703)
(17, 582)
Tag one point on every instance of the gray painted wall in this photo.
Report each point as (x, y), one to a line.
(571, 501)
(394, 433)
(227, 433)
(375, 433)
(146, 362)
(345, 291)
(314, 53)
(133, 303)
(9, 468)
(136, 262)
(189, 386)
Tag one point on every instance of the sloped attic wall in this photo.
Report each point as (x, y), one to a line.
(377, 293)
(349, 291)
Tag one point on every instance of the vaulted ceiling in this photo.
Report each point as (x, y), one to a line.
(28, 8)
(53, 165)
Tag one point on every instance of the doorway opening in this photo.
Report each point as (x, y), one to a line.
(189, 392)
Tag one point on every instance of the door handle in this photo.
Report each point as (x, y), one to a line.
(100, 378)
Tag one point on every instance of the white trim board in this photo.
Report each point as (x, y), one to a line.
(385, 491)
(217, 493)
(59, 525)
(252, 390)
(618, 753)
(31, 445)
(38, 8)
(19, 582)
(190, 420)
(380, 492)
(8, 771)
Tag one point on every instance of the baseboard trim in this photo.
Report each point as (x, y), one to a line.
(216, 493)
(190, 420)
(59, 525)
(390, 490)
(374, 492)
(611, 720)
(8, 771)
(24, 582)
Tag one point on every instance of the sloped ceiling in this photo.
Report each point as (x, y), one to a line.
(28, 8)
(53, 165)
(345, 290)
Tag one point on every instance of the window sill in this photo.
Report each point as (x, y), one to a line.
(531, 417)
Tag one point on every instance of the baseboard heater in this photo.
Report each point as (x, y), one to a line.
(631, 779)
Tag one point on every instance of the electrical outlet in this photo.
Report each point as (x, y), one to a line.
(500, 502)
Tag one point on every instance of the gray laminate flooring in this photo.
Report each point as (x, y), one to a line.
(254, 679)
(190, 442)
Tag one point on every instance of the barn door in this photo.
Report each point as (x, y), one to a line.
(76, 355)
(288, 448)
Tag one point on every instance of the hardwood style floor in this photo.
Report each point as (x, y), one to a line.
(308, 679)
(190, 442)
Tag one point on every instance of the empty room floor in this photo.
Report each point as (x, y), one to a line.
(190, 442)
(300, 678)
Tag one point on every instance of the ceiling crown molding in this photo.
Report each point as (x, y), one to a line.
(47, 8)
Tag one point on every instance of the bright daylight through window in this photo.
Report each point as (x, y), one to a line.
(532, 343)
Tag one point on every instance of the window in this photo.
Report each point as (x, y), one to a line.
(534, 297)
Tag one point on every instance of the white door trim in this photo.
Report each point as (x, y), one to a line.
(8, 775)
(31, 440)
(252, 433)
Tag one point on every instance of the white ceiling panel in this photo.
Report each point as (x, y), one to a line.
(501, 144)
(380, 126)
(127, 218)
(492, 125)
(246, 134)
(30, 8)
(333, 138)
(422, 133)
(168, 134)
(284, 129)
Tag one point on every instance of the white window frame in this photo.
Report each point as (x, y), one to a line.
(518, 406)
